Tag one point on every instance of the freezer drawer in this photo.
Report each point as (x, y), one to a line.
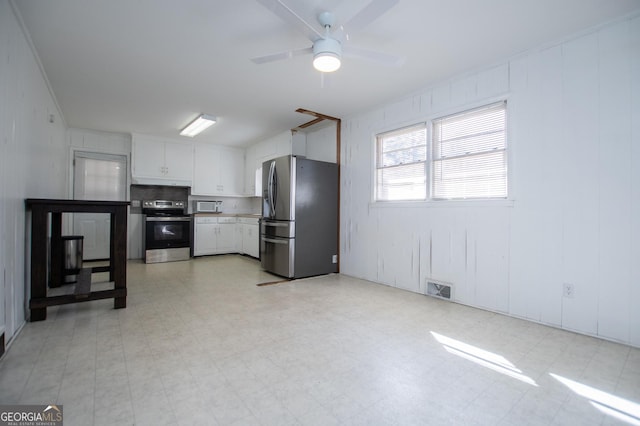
(277, 255)
(277, 228)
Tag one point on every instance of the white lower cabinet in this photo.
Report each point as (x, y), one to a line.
(226, 235)
(250, 236)
(219, 235)
(214, 235)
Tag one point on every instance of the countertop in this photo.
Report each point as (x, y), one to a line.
(249, 215)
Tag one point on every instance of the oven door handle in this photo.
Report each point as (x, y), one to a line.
(168, 219)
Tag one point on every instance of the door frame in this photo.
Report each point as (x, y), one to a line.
(72, 155)
(67, 220)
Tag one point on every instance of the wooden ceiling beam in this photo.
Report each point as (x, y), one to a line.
(317, 114)
(310, 123)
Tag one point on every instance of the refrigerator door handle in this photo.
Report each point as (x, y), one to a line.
(280, 224)
(274, 191)
(270, 197)
(274, 241)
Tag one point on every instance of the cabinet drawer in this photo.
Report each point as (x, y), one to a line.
(248, 220)
(202, 220)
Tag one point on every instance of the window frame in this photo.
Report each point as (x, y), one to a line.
(432, 144)
(376, 157)
(428, 201)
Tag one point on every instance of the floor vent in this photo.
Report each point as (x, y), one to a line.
(439, 289)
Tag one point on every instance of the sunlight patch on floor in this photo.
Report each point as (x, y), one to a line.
(614, 406)
(482, 357)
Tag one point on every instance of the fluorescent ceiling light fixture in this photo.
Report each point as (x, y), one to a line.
(198, 125)
(326, 55)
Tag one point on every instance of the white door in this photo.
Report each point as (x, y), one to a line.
(100, 177)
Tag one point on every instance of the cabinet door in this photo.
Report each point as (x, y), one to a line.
(205, 239)
(218, 171)
(250, 240)
(253, 239)
(179, 161)
(205, 170)
(148, 158)
(226, 238)
(231, 168)
(249, 171)
(161, 162)
(238, 241)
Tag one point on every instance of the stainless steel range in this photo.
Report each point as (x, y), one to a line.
(166, 235)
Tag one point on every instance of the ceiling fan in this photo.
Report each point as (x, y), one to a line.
(330, 43)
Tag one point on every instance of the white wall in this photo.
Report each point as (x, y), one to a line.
(574, 141)
(33, 158)
(321, 142)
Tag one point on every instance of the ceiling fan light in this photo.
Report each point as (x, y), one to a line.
(202, 122)
(326, 62)
(326, 54)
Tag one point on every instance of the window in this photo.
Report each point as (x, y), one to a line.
(401, 164)
(467, 158)
(469, 154)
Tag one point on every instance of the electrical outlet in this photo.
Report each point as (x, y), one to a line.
(334, 258)
(568, 290)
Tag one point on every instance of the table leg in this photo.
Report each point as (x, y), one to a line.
(38, 260)
(56, 249)
(119, 254)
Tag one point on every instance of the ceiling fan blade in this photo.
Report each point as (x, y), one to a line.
(370, 13)
(288, 54)
(373, 56)
(288, 15)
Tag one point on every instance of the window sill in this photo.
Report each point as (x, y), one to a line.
(441, 203)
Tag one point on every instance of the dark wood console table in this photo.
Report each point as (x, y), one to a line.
(40, 210)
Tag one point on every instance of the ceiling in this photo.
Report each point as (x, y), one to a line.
(151, 66)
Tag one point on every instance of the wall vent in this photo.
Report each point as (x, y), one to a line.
(439, 289)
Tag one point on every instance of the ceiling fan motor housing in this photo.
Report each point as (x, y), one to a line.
(328, 46)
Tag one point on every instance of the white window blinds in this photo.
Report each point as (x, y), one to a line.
(401, 159)
(470, 154)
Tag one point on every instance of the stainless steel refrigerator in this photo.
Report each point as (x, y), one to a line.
(299, 225)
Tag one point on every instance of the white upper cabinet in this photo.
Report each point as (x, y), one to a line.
(218, 170)
(158, 161)
(250, 166)
(280, 145)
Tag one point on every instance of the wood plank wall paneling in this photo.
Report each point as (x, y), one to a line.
(574, 137)
(579, 153)
(33, 159)
(634, 294)
(614, 176)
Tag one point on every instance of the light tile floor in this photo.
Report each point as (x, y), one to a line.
(200, 343)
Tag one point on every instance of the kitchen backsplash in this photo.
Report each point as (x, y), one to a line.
(231, 205)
